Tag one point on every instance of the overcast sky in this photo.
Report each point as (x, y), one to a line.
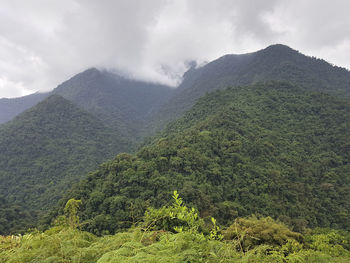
(44, 42)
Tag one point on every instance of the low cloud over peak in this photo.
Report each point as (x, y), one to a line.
(42, 43)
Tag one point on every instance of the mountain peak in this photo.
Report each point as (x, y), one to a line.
(279, 51)
(53, 101)
(54, 105)
(278, 47)
(90, 71)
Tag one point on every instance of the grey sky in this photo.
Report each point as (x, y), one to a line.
(44, 42)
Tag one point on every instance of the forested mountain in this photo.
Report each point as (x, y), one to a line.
(121, 110)
(276, 62)
(57, 141)
(135, 108)
(252, 136)
(47, 148)
(121, 103)
(9, 108)
(268, 149)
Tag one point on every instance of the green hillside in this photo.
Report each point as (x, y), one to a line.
(53, 144)
(122, 103)
(276, 62)
(259, 141)
(47, 148)
(9, 108)
(270, 149)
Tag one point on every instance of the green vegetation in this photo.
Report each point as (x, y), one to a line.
(15, 217)
(270, 149)
(43, 151)
(52, 145)
(176, 243)
(264, 168)
(121, 103)
(9, 108)
(276, 62)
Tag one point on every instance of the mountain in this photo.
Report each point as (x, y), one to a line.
(97, 114)
(48, 148)
(9, 108)
(122, 103)
(137, 109)
(276, 62)
(270, 149)
(241, 154)
(119, 102)
(86, 120)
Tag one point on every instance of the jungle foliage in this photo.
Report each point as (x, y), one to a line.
(270, 149)
(263, 168)
(175, 243)
(43, 152)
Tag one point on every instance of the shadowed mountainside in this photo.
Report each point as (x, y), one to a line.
(9, 108)
(47, 148)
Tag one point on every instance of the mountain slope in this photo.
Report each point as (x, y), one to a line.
(121, 103)
(268, 149)
(276, 62)
(47, 148)
(10, 108)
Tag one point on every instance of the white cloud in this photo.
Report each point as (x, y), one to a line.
(12, 89)
(43, 42)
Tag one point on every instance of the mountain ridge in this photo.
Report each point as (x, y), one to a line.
(47, 148)
(276, 62)
(122, 112)
(11, 107)
(227, 70)
(120, 102)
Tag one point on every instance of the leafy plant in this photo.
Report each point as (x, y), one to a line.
(176, 218)
(251, 232)
(71, 210)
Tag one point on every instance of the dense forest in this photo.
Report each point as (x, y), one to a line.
(43, 151)
(9, 108)
(270, 149)
(83, 122)
(248, 160)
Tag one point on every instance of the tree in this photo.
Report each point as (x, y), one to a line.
(71, 210)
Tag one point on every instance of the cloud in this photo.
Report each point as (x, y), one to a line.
(42, 43)
(319, 28)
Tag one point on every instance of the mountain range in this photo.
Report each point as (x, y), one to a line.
(276, 62)
(260, 133)
(270, 149)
